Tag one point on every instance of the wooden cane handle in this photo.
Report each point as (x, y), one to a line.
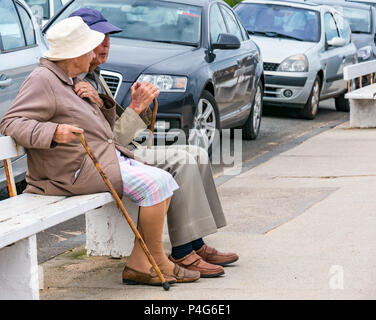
(152, 124)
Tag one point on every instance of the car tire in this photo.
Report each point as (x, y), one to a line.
(205, 123)
(251, 128)
(312, 106)
(341, 103)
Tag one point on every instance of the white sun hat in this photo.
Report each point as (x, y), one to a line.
(71, 38)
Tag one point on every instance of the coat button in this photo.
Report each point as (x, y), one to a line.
(95, 112)
(110, 141)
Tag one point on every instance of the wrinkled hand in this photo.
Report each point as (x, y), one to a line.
(142, 95)
(85, 90)
(64, 133)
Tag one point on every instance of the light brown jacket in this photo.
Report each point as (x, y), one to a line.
(46, 99)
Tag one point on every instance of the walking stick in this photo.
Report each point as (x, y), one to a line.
(152, 124)
(166, 285)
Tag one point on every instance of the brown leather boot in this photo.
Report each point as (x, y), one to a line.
(213, 256)
(194, 262)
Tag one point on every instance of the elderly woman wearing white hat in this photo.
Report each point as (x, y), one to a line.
(44, 117)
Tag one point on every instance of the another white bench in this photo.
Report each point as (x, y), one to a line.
(362, 100)
(23, 216)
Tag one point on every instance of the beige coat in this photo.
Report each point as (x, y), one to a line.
(46, 99)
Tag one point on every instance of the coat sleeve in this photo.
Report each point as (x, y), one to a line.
(28, 119)
(128, 126)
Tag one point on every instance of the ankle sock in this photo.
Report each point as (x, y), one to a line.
(181, 251)
(185, 249)
(197, 244)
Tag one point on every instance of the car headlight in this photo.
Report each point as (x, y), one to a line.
(297, 63)
(364, 53)
(165, 83)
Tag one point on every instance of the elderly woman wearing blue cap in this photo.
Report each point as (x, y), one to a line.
(44, 118)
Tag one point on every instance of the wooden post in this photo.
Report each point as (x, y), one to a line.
(10, 178)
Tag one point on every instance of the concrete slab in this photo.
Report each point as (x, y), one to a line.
(303, 224)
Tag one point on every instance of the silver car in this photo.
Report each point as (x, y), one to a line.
(305, 47)
(20, 49)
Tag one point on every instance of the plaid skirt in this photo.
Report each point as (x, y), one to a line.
(144, 184)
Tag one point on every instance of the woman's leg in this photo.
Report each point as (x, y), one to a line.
(150, 226)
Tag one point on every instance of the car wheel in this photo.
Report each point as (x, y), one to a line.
(252, 126)
(205, 122)
(312, 106)
(341, 103)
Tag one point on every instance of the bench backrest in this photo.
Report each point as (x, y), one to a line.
(359, 69)
(10, 149)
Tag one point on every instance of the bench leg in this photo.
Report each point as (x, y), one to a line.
(19, 271)
(107, 231)
(362, 113)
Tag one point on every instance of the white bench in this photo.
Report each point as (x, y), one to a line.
(23, 216)
(362, 100)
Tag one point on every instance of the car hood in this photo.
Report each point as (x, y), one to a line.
(132, 57)
(276, 50)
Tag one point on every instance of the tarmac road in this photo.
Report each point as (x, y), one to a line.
(281, 129)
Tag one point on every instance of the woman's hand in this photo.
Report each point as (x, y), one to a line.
(65, 133)
(85, 90)
(142, 95)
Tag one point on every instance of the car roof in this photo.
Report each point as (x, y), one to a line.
(201, 3)
(298, 4)
(348, 4)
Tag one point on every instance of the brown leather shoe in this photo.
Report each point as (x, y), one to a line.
(131, 276)
(194, 262)
(213, 256)
(183, 275)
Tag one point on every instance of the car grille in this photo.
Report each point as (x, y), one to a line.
(113, 81)
(268, 66)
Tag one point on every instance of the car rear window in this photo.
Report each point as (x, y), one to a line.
(299, 23)
(359, 19)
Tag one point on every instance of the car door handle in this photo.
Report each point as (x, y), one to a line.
(4, 82)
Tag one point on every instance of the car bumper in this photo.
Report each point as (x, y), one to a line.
(290, 88)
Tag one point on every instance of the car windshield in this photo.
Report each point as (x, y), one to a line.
(280, 21)
(359, 19)
(149, 20)
(40, 8)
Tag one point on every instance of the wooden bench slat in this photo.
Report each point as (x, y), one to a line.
(359, 69)
(24, 203)
(9, 149)
(41, 218)
(367, 92)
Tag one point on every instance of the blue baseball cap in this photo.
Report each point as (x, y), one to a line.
(95, 20)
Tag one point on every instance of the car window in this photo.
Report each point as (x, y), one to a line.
(343, 27)
(40, 8)
(359, 19)
(57, 5)
(279, 21)
(216, 22)
(10, 27)
(232, 24)
(330, 27)
(27, 25)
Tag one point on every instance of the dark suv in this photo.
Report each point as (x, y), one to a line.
(196, 52)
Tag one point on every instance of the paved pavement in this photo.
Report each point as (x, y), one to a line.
(303, 224)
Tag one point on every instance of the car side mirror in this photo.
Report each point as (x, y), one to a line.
(226, 42)
(337, 42)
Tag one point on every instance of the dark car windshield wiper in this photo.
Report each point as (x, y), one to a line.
(274, 34)
(358, 31)
(177, 42)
